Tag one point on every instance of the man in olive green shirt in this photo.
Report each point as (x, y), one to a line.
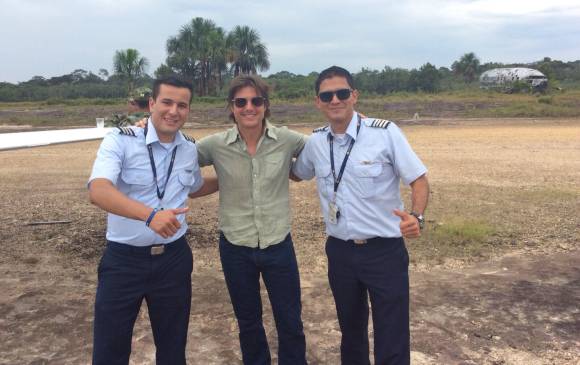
(252, 161)
(254, 206)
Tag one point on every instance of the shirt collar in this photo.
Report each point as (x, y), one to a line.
(351, 129)
(233, 134)
(271, 131)
(152, 136)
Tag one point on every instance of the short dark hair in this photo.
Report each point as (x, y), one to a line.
(252, 81)
(172, 81)
(331, 72)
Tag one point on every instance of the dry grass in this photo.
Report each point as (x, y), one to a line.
(497, 186)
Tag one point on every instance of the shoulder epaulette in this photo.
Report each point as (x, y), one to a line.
(380, 123)
(321, 129)
(188, 138)
(126, 131)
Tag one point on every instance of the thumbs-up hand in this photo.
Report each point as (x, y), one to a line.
(409, 225)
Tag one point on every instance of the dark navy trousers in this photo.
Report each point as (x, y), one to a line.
(127, 275)
(277, 264)
(377, 270)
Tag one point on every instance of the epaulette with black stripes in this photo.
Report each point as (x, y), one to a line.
(188, 138)
(321, 129)
(380, 123)
(126, 131)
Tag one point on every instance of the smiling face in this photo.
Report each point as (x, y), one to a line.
(169, 111)
(249, 116)
(337, 112)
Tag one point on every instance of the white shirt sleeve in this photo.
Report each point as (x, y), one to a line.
(109, 159)
(303, 167)
(406, 163)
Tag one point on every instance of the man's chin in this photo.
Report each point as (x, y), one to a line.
(337, 119)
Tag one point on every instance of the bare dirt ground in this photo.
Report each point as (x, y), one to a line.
(509, 297)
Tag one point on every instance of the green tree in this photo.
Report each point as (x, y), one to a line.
(393, 79)
(103, 74)
(367, 80)
(130, 66)
(246, 52)
(467, 67)
(427, 79)
(163, 71)
(198, 53)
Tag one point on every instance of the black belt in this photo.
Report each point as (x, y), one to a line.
(151, 250)
(369, 240)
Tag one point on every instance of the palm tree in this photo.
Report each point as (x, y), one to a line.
(246, 52)
(217, 57)
(129, 65)
(198, 52)
(467, 67)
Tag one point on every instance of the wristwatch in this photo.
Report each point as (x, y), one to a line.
(420, 219)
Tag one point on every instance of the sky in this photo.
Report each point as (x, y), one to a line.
(54, 37)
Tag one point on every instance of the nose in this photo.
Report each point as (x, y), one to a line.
(173, 108)
(249, 105)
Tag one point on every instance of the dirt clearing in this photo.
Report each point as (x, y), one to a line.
(495, 279)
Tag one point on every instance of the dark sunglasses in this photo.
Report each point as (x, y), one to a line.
(342, 94)
(257, 101)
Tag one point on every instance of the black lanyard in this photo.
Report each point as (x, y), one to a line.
(331, 138)
(160, 194)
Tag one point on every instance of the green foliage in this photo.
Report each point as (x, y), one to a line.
(163, 71)
(520, 87)
(468, 67)
(247, 53)
(209, 57)
(546, 100)
(201, 52)
(427, 78)
(463, 231)
(198, 54)
(286, 85)
(130, 66)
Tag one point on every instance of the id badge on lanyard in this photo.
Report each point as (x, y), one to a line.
(333, 210)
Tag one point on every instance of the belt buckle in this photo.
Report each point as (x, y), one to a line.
(157, 250)
(359, 242)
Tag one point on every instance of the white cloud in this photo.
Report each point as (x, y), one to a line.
(53, 38)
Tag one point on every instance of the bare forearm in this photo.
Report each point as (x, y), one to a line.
(210, 186)
(419, 194)
(105, 195)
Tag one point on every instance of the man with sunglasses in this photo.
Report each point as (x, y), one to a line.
(359, 163)
(252, 161)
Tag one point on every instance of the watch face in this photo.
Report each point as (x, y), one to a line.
(420, 219)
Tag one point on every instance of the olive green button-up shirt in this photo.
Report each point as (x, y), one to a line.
(254, 207)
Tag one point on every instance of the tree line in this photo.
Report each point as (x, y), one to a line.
(208, 56)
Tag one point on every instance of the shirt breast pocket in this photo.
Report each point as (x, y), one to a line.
(274, 164)
(138, 180)
(324, 180)
(186, 179)
(366, 178)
